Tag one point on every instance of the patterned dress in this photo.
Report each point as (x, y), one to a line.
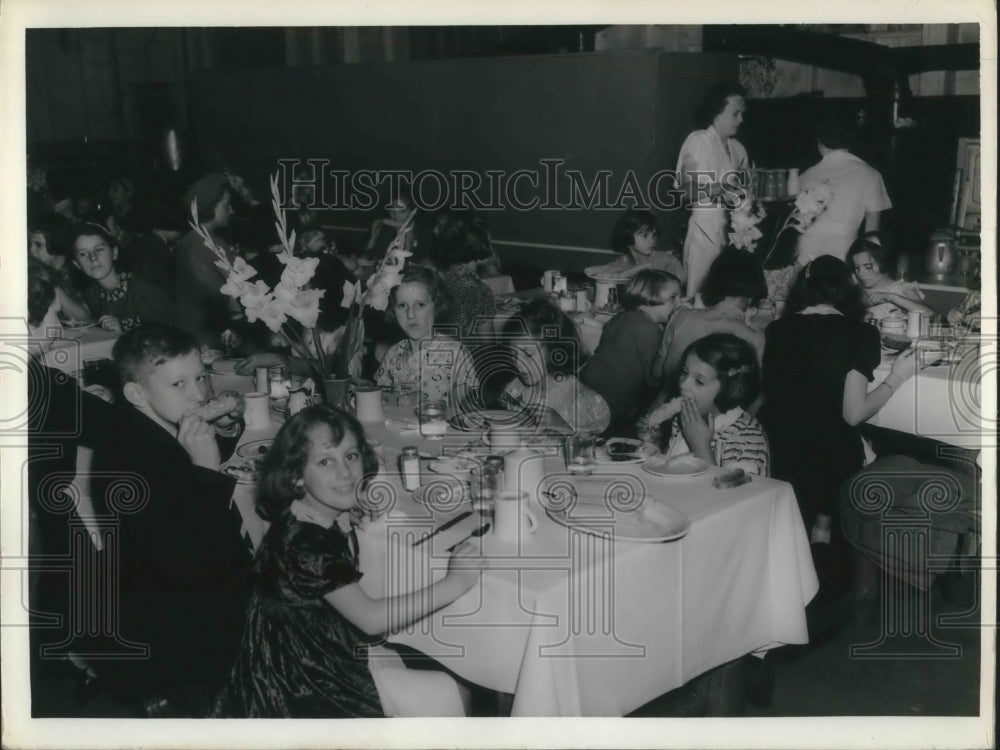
(133, 301)
(300, 658)
(439, 365)
(738, 442)
(581, 408)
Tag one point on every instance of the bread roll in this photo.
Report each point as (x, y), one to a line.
(227, 402)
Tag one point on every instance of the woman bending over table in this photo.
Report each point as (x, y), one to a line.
(818, 361)
(547, 351)
(439, 365)
(885, 297)
(734, 281)
(304, 651)
(718, 381)
(119, 300)
(623, 370)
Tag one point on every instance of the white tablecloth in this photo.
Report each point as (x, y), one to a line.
(578, 625)
(77, 345)
(943, 403)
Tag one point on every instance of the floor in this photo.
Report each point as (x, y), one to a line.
(910, 673)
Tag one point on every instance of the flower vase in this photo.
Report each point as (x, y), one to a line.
(336, 392)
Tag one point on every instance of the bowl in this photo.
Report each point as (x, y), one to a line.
(896, 342)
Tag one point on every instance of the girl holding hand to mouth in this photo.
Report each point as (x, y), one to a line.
(718, 380)
(118, 300)
(439, 363)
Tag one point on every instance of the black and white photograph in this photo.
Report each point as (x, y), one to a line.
(628, 367)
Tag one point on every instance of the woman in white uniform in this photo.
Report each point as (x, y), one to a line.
(713, 153)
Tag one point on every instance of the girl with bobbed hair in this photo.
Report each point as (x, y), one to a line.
(718, 381)
(634, 238)
(819, 359)
(715, 155)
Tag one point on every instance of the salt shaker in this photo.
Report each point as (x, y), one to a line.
(409, 467)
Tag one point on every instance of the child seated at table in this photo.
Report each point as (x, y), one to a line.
(439, 365)
(547, 352)
(635, 238)
(719, 379)
(184, 570)
(304, 651)
(118, 300)
(624, 369)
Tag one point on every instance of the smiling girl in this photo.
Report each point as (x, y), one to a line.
(118, 300)
(309, 623)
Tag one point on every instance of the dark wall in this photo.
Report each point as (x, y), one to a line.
(595, 111)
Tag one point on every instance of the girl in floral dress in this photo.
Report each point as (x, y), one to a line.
(439, 364)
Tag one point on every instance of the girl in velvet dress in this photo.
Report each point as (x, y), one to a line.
(304, 652)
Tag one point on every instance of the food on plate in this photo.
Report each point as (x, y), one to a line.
(731, 478)
(245, 471)
(227, 402)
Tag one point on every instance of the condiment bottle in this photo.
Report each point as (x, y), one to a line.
(409, 467)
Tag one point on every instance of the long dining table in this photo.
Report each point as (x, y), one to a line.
(576, 622)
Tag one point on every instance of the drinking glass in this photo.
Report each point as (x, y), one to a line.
(579, 454)
(433, 424)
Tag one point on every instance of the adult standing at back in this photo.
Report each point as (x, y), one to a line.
(859, 195)
(706, 157)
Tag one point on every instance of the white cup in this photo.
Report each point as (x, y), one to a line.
(601, 293)
(523, 471)
(512, 518)
(547, 281)
(368, 404)
(503, 438)
(258, 413)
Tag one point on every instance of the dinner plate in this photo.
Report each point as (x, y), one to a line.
(624, 451)
(223, 366)
(483, 419)
(686, 466)
(454, 466)
(77, 325)
(254, 449)
(597, 273)
(654, 522)
(442, 493)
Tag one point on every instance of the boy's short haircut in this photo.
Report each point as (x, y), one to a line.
(145, 347)
(645, 287)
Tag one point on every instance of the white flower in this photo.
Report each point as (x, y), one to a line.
(298, 271)
(352, 293)
(397, 257)
(255, 296)
(274, 313)
(305, 307)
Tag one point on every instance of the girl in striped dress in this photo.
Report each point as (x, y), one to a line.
(719, 379)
